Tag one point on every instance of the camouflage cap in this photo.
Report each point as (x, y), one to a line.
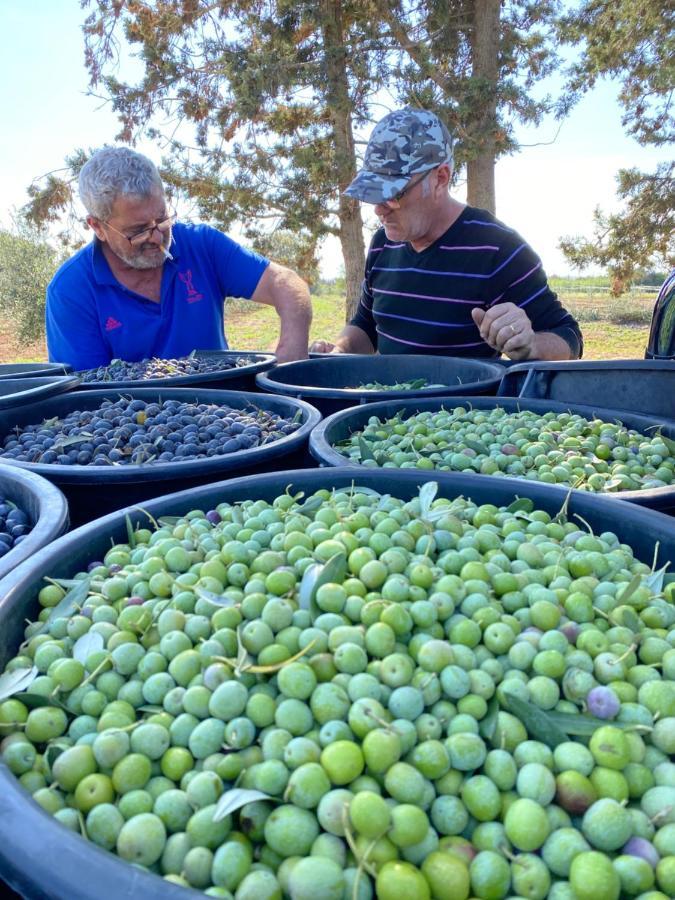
(406, 142)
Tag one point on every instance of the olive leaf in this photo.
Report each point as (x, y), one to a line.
(16, 681)
(627, 617)
(580, 723)
(520, 504)
(475, 445)
(427, 496)
(216, 599)
(71, 603)
(243, 661)
(63, 582)
(384, 500)
(309, 506)
(88, 643)
(629, 590)
(53, 751)
(131, 537)
(538, 724)
(77, 439)
(655, 581)
(169, 520)
(333, 571)
(234, 799)
(670, 444)
(364, 449)
(35, 701)
(361, 489)
(488, 724)
(309, 587)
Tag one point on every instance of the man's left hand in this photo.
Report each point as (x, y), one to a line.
(506, 328)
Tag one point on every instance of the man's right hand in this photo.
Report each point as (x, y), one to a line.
(324, 347)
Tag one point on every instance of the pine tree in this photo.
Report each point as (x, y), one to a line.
(634, 43)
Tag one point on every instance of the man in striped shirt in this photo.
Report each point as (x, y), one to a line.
(442, 277)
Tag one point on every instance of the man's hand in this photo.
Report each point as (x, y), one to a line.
(324, 347)
(506, 328)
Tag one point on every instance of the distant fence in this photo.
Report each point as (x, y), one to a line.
(600, 291)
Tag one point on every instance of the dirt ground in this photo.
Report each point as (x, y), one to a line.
(12, 349)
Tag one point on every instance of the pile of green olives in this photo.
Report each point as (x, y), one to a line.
(556, 448)
(354, 696)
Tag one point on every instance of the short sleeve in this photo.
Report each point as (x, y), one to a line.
(238, 269)
(73, 331)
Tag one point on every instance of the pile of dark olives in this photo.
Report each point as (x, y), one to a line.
(136, 432)
(14, 526)
(147, 369)
(355, 696)
(557, 448)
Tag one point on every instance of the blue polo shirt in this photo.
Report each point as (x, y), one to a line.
(91, 318)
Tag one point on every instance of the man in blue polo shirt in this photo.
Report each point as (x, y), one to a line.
(150, 286)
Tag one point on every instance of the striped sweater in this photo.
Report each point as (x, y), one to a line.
(421, 302)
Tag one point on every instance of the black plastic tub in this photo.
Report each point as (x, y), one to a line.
(16, 392)
(339, 426)
(644, 386)
(239, 378)
(327, 382)
(45, 506)
(34, 370)
(94, 490)
(67, 867)
(502, 361)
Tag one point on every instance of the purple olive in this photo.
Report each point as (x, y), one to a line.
(571, 630)
(135, 601)
(644, 849)
(603, 702)
(213, 516)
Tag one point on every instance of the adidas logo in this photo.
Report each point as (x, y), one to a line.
(111, 324)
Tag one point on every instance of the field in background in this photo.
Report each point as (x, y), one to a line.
(614, 328)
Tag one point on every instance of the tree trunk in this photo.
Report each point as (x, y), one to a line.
(485, 53)
(340, 110)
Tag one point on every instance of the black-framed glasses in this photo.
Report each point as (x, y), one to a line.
(395, 201)
(140, 237)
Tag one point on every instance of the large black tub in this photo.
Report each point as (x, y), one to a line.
(238, 378)
(33, 370)
(330, 383)
(643, 386)
(94, 490)
(339, 426)
(41, 858)
(43, 503)
(17, 392)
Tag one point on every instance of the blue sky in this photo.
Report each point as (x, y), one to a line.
(545, 191)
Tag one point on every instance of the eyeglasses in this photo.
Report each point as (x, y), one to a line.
(395, 201)
(140, 237)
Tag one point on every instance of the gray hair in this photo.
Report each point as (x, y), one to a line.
(113, 172)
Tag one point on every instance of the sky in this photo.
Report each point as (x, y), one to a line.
(548, 190)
